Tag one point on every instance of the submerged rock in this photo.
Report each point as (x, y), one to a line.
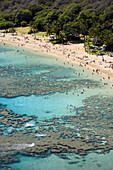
(9, 159)
(54, 136)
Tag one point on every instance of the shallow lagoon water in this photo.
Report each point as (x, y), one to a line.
(53, 105)
(88, 162)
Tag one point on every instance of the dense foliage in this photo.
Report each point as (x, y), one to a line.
(64, 18)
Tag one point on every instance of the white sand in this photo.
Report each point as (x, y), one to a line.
(74, 53)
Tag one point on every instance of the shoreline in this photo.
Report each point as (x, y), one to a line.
(72, 53)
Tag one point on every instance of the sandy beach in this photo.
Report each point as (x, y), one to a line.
(74, 53)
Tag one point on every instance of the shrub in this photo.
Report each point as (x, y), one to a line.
(12, 30)
(30, 31)
(23, 23)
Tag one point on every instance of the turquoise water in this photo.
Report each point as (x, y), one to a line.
(52, 105)
(54, 162)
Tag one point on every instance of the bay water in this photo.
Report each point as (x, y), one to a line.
(55, 104)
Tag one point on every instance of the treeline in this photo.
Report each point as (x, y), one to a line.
(66, 19)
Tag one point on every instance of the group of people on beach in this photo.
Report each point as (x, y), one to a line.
(74, 53)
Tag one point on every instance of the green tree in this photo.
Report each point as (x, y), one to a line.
(94, 31)
(56, 28)
(10, 17)
(2, 17)
(62, 37)
(106, 37)
(71, 30)
(48, 29)
(23, 23)
(24, 15)
(34, 9)
(6, 25)
(39, 24)
(107, 15)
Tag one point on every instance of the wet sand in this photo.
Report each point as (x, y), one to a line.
(73, 53)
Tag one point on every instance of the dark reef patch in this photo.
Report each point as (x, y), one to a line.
(89, 129)
(23, 81)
